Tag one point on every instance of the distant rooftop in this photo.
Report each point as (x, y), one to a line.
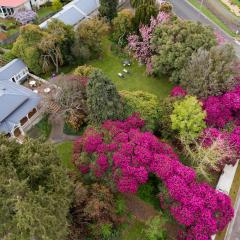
(11, 3)
(74, 12)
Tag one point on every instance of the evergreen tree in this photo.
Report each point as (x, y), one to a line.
(108, 9)
(103, 100)
(35, 192)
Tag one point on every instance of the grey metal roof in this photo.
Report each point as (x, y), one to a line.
(11, 69)
(87, 6)
(74, 12)
(69, 16)
(16, 102)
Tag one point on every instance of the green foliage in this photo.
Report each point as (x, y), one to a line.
(144, 13)
(103, 100)
(108, 9)
(144, 103)
(56, 5)
(35, 192)
(137, 3)
(210, 73)
(155, 229)
(164, 121)
(84, 70)
(120, 205)
(188, 117)
(174, 42)
(25, 47)
(88, 37)
(106, 230)
(121, 27)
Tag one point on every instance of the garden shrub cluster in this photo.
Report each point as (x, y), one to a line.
(121, 152)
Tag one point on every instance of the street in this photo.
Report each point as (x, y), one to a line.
(185, 11)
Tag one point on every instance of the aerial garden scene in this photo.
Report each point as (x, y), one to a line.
(139, 123)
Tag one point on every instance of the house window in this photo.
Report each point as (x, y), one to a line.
(17, 132)
(23, 121)
(32, 113)
(13, 79)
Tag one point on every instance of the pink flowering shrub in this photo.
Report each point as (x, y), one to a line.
(140, 45)
(122, 152)
(220, 38)
(223, 109)
(178, 92)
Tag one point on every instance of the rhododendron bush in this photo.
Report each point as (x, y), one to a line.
(121, 151)
(223, 109)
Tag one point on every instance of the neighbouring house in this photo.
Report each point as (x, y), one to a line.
(18, 106)
(15, 71)
(74, 12)
(10, 7)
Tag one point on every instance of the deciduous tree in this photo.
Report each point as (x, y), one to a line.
(174, 42)
(210, 73)
(108, 9)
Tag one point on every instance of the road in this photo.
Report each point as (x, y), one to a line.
(185, 11)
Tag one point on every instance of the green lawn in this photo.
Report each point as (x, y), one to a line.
(45, 11)
(111, 64)
(213, 17)
(65, 153)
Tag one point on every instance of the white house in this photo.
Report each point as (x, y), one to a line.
(9, 7)
(15, 71)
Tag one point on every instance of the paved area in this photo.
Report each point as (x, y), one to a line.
(184, 10)
(57, 135)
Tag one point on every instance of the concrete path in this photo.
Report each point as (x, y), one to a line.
(186, 11)
(57, 135)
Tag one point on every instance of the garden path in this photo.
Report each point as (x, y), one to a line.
(57, 135)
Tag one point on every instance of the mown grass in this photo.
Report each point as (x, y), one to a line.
(64, 151)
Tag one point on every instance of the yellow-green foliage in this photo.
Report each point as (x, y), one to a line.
(144, 103)
(188, 117)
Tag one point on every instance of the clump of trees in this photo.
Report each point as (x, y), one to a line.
(210, 73)
(171, 54)
(44, 50)
(35, 191)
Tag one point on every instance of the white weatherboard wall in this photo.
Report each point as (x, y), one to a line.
(226, 180)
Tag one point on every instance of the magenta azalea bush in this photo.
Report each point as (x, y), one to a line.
(122, 152)
(223, 109)
(178, 92)
(25, 17)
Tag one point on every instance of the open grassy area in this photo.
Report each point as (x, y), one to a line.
(211, 16)
(111, 64)
(65, 153)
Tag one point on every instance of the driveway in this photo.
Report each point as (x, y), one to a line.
(185, 11)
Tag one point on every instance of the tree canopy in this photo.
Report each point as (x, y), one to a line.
(35, 192)
(210, 73)
(103, 100)
(108, 9)
(174, 42)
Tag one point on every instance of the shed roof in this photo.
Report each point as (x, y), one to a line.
(74, 12)
(11, 69)
(16, 102)
(11, 3)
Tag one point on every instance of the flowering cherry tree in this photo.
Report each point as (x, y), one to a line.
(123, 152)
(140, 45)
